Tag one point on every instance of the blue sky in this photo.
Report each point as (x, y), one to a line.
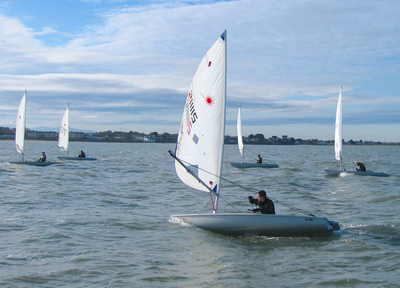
(127, 65)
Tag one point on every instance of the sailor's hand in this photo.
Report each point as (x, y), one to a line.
(256, 210)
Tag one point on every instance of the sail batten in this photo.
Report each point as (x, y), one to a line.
(201, 134)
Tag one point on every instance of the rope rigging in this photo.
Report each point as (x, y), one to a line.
(249, 150)
(182, 162)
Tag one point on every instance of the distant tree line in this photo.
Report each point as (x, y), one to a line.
(120, 136)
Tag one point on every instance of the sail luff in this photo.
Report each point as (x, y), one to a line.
(224, 38)
(339, 129)
(20, 126)
(63, 136)
(201, 134)
(239, 134)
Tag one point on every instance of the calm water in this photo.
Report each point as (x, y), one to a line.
(106, 223)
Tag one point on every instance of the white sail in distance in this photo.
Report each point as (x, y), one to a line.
(20, 126)
(63, 136)
(239, 134)
(339, 127)
(201, 134)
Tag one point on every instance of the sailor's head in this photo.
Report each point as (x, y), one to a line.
(42, 153)
(356, 162)
(262, 195)
(258, 156)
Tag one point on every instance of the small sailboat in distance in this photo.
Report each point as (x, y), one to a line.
(20, 136)
(339, 145)
(241, 149)
(198, 159)
(63, 139)
(63, 136)
(20, 127)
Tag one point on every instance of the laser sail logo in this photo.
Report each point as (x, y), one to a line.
(209, 100)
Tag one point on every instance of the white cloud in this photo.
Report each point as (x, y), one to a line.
(46, 30)
(285, 59)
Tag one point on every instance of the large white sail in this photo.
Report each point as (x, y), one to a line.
(239, 133)
(63, 136)
(20, 126)
(201, 134)
(339, 128)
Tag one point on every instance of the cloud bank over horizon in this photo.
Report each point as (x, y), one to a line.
(128, 64)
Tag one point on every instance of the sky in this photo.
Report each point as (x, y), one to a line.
(127, 65)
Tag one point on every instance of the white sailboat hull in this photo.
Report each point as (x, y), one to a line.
(249, 224)
(360, 173)
(76, 158)
(253, 165)
(34, 163)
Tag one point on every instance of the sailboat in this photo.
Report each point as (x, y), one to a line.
(339, 145)
(20, 136)
(198, 159)
(63, 138)
(241, 149)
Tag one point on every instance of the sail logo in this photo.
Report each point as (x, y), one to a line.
(192, 115)
(209, 100)
(63, 130)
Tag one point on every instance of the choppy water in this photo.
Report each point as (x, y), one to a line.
(106, 223)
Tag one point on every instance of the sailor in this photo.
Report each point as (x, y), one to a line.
(266, 205)
(360, 166)
(42, 158)
(82, 154)
(259, 160)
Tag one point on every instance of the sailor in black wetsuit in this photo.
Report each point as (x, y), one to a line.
(82, 155)
(259, 160)
(360, 166)
(266, 205)
(42, 158)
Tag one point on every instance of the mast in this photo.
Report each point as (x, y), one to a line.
(341, 125)
(224, 37)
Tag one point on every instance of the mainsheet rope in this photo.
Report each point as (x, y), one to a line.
(251, 151)
(249, 189)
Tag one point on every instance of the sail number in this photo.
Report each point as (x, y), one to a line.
(193, 115)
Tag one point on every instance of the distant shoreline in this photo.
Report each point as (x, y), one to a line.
(252, 144)
(154, 137)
